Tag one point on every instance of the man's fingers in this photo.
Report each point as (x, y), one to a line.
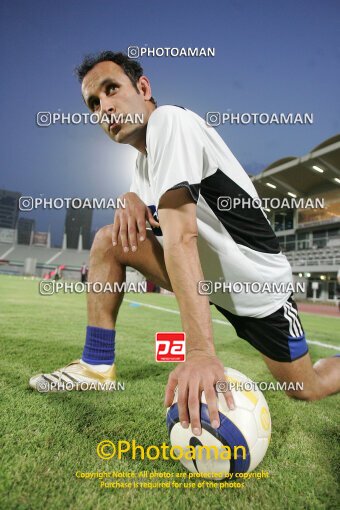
(194, 400)
(182, 402)
(115, 230)
(170, 390)
(141, 225)
(132, 231)
(130, 223)
(222, 386)
(123, 235)
(211, 398)
(151, 219)
(229, 399)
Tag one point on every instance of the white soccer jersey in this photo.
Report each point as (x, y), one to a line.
(238, 245)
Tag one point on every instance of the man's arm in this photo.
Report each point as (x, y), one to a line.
(202, 369)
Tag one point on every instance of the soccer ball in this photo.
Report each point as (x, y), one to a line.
(241, 440)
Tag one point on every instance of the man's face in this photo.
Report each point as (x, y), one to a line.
(108, 90)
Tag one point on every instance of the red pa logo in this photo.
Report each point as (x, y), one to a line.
(170, 347)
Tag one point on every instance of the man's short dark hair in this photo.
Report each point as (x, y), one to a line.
(131, 67)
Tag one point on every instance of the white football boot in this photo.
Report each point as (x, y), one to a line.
(76, 376)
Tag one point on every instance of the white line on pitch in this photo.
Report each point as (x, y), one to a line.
(217, 321)
(328, 346)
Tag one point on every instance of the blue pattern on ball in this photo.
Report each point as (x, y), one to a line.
(228, 433)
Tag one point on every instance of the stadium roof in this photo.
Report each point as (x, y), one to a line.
(319, 170)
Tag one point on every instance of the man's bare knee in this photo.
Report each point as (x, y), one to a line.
(304, 382)
(148, 259)
(309, 395)
(103, 242)
(103, 234)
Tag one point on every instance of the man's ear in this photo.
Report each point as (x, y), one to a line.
(144, 87)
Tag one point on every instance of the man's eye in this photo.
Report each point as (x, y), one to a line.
(111, 88)
(94, 105)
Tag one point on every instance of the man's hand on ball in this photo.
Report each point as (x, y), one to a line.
(130, 222)
(200, 372)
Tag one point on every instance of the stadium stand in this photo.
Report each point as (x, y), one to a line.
(309, 237)
(13, 258)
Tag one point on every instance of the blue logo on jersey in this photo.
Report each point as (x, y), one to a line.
(156, 230)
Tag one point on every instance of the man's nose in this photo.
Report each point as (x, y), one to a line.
(107, 106)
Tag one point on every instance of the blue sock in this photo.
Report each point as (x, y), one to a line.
(99, 346)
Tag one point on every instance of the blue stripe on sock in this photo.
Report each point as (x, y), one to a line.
(99, 346)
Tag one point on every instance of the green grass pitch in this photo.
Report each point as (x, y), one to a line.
(46, 438)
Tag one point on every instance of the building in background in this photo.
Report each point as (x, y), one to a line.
(309, 237)
(26, 229)
(78, 223)
(9, 208)
(42, 239)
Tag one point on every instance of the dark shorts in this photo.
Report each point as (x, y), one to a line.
(279, 336)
